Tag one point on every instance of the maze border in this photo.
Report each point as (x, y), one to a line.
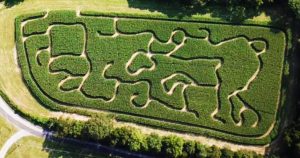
(142, 120)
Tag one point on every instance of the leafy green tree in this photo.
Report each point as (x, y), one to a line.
(75, 129)
(200, 151)
(295, 6)
(98, 128)
(172, 146)
(226, 153)
(154, 143)
(189, 149)
(214, 152)
(66, 127)
(129, 138)
(243, 154)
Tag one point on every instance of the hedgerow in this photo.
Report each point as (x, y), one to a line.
(101, 129)
(210, 69)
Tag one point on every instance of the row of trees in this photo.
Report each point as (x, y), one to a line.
(100, 129)
(291, 138)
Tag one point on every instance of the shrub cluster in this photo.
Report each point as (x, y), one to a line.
(101, 129)
(295, 7)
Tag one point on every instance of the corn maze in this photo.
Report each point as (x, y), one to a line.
(218, 80)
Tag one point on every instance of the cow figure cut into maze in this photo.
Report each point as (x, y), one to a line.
(176, 72)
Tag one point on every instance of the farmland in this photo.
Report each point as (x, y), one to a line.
(203, 78)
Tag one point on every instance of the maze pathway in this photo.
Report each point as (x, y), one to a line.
(220, 80)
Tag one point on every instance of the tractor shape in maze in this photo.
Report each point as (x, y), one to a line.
(164, 71)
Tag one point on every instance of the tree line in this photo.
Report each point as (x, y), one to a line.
(101, 129)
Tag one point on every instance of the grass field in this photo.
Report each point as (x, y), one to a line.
(6, 130)
(12, 84)
(34, 147)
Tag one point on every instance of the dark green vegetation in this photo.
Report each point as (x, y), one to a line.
(295, 6)
(10, 3)
(100, 129)
(204, 78)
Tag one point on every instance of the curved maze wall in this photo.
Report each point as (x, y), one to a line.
(218, 80)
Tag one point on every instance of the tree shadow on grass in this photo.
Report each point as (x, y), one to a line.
(179, 10)
(57, 147)
(228, 13)
(11, 3)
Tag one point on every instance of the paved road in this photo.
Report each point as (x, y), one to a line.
(27, 128)
(18, 121)
(11, 141)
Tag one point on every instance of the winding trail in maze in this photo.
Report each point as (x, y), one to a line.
(149, 55)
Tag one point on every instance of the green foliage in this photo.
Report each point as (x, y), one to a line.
(200, 151)
(161, 48)
(98, 128)
(213, 62)
(178, 37)
(172, 146)
(295, 6)
(71, 84)
(67, 40)
(128, 137)
(214, 152)
(189, 148)
(154, 143)
(69, 64)
(291, 139)
(226, 153)
(140, 61)
(67, 127)
(244, 154)
(259, 46)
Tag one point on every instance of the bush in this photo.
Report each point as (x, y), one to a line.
(244, 154)
(189, 148)
(66, 127)
(98, 128)
(295, 6)
(226, 153)
(129, 138)
(200, 151)
(172, 146)
(154, 143)
(214, 152)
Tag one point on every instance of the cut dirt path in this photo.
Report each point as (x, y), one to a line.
(10, 75)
